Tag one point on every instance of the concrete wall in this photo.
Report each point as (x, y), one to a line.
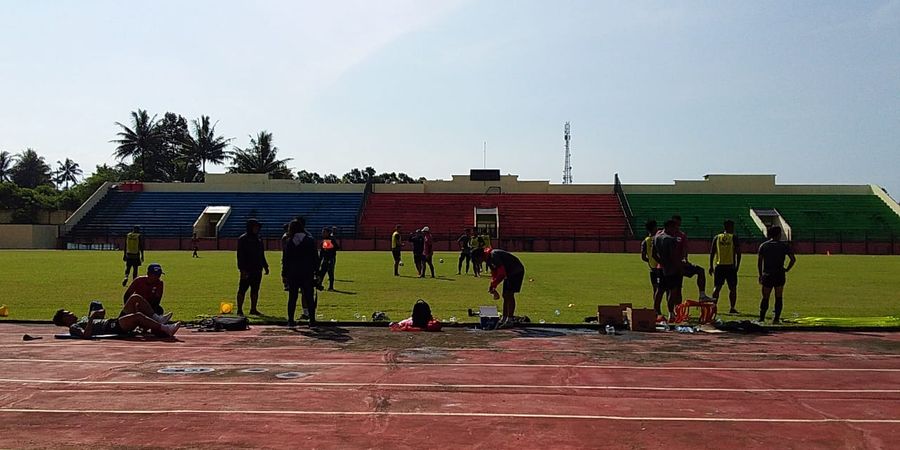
(249, 182)
(508, 184)
(743, 184)
(44, 217)
(28, 236)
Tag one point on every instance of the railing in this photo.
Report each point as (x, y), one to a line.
(623, 203)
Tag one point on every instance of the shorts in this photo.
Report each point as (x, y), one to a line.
(773, 279)
(726, 274)
(396, 253)
(655, 276)
(671, 281)
(252, 281)
(133, 260)
(513, 282)
(689, 270)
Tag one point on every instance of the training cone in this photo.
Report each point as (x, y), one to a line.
(4, 311)
(225, 308)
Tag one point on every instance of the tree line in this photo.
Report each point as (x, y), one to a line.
(167, 149)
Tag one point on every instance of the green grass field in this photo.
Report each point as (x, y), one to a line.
(35, 283)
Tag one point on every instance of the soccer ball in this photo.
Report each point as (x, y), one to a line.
(441, 261)
(401, 263)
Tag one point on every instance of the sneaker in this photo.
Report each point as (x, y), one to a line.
(124, 281)
(706, 298)
(171, 328)
(291, 324)
(733, 311)
(240, 312)
(304, 317)
(255, 312)
(776, 321)
(163, 319)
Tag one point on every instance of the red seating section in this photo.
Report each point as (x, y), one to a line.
(521, 215)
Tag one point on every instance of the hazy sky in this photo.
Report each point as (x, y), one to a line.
(656, 91)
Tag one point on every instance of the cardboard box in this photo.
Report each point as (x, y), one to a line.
(641, 319)
(611, 315)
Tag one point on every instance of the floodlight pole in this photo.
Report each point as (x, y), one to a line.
(567, 168)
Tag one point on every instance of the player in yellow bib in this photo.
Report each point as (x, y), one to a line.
(724, 263)
(134, 253)
(396, 245)
(647, 256)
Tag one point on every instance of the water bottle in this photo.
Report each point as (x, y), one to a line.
(556, 312)
(610, 330)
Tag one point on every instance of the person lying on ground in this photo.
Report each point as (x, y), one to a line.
(136, 313)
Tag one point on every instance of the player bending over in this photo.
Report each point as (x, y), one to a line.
(505, 267)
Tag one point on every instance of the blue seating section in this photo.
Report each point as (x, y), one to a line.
(172, 214)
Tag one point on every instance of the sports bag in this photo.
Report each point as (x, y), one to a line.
(220, 323)
(421, 314)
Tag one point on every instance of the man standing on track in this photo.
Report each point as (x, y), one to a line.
(299, 264)
(770, 266)
(134, 253)
(465, 250)
(667, 253)
(251, 262)
(647, 256)
(396, 246)
(724, 263)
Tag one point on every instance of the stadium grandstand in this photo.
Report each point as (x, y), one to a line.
(520, 215)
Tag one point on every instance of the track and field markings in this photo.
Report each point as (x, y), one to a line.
(444, 386)
(157, 348)
(487, 365)
(442, 414)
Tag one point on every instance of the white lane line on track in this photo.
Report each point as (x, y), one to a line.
(444, 386)
(465, 349)
(421, 364)
(443, 414)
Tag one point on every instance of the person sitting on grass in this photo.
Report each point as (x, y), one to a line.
(149, 287)
(136, 313)
(507, 268)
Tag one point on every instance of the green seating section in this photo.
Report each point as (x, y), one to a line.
(811, 217)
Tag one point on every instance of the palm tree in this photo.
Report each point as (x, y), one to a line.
(260, 157)
(6, 162)
(205, 145)
(67, 171)
(30, 170)
(140, 140)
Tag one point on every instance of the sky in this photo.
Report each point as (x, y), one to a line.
(654, 90)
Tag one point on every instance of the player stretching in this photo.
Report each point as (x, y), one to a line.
(690, 269)
(724, 264)
(770, 266)
(647, 256)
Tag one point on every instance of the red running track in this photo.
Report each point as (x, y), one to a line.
(456, 389)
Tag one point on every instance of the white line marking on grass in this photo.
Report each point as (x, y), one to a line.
(442, 414)
(446, 386)
(421, 364)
